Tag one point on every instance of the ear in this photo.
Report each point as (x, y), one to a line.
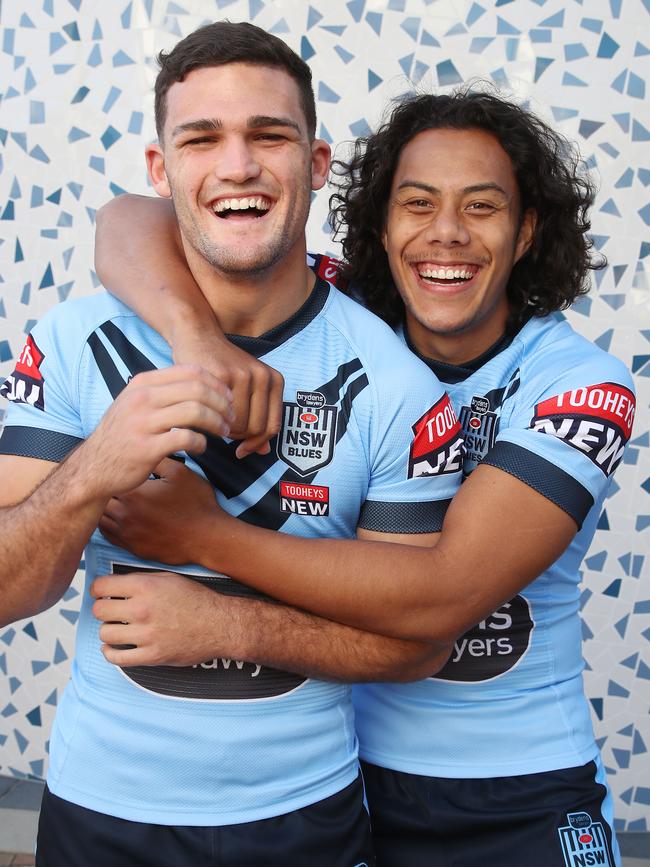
(321, 156)
(384, 238)
(526, 233)
(156, 169)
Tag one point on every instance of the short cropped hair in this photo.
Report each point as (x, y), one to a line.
(550, 177)
(226, 42)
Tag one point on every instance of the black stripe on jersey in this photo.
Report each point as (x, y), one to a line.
(353, 391)
(31, 442)
(259, 346)
(135, 360)
(112, 377)
(332, 389)
(403, 517)
(548, 479)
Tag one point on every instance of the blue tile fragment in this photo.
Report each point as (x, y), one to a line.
(480, 43)
(429, 41)
(326, 94)
(109, 137)
(356, 8)
(608, 47)
(644, 213)
(95, 56)
(447, 73)
(505, 28)
(47, 279)
(411, 26)
(373, 80)
(541, 65)
(109, 102)
(475, 12)
(610, 208)
(307, 50)
(97, 30)
(569, 80)
(34, 716)
(636, 86)
(77, 134)
(346, 56)
(575, 51)
(21, 741)
(616, 690)
(72, 29)
(540, 35)
(121, 58)
(374, 20)
(5, 351)
(556, 20)
(597, 705)
(594, 25)
(56, 42)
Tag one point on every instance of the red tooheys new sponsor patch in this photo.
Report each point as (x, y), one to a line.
(438, 445)
(328, 269)
(311, 500)
(595, 419)
(26, 384)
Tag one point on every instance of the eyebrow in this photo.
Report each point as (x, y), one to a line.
(257, 121)
(473, 188)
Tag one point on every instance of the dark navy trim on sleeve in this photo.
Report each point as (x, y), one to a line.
(403, 517)
(544, 477)
(31, 442)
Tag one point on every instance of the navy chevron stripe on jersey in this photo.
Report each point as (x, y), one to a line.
(551, 481)
(136, 361)
(112, 377)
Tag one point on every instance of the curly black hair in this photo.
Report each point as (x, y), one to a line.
(551, 179)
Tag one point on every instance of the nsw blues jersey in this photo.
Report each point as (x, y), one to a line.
(368, 439)
(555, 411)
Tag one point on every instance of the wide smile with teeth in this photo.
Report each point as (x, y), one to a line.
(447, 274)
(250, 206)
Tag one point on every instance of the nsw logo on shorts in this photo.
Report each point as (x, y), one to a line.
(584, 842)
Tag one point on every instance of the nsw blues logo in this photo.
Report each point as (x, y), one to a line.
(584, 842)
(480, 428)
(308, 436)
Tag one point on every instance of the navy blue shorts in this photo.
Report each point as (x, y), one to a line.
(553, 819)
(334, 832)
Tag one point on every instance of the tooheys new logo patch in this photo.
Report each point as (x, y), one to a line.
(214, 679)
(584, 843)
(493, 646)
(437, 446)
(308, 436)
(596, 420)
(26, 384)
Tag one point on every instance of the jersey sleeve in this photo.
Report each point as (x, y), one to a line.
(42, 418)
(568, 427)
(416, 454)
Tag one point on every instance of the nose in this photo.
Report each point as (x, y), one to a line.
(447, 227)
(236, 161)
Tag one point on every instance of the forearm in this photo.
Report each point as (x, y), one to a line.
(42, 540)
(294, 640)
(422, 594)
(151, 273)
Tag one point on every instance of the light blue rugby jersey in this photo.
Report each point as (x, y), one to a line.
(229, 741)
(555, 411)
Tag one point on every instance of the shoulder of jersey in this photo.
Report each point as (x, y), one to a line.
(83, 315)
(551, 345)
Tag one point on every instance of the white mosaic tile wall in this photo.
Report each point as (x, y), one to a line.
(76, 108)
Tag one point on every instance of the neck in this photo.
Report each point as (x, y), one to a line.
(457, 348)
(251, 304)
